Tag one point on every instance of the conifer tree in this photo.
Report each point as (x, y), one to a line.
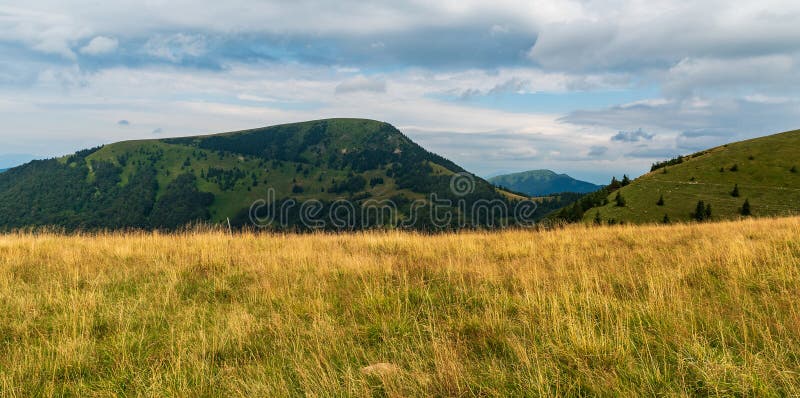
(614, 184)
(699, 211)
(745, 211)
(597, 219)
(735, 192)
(660, 201)
(625, 180)
(708, 211)
(665, 220)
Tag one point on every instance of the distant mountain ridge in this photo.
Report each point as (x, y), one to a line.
(169, 183)
(542, 183)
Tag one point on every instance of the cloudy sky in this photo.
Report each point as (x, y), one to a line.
(591, 88)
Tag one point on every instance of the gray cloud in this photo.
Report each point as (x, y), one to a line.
(597, 150)
(158, 130)
(470, 34)
(123, 122)
(629, 38)
(632, 136)
(740, 117)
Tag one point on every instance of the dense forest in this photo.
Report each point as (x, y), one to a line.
(166, 184)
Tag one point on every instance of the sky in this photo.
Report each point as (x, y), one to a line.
(588, 88)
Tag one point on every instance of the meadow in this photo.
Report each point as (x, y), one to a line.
(685, 309)
(764, 170)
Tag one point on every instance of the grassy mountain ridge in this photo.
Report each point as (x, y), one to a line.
(542, 182)
(763, 171)
(166, 183)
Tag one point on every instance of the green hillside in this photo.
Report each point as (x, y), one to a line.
(168, 183)
(764, 171)
(542, 183)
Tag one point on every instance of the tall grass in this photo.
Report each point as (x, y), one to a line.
(708, 309)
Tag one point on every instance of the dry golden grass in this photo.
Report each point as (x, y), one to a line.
(707, 309)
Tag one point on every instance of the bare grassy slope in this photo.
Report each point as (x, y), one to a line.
(686, 309)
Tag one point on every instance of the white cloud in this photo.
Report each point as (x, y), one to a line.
(43, 31)
(255, 98)
(691, 76)
(362, 84)
(100, 45)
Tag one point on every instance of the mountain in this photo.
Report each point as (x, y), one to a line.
(2, 170)
(764, 171)
(168, 183)
(542, 182)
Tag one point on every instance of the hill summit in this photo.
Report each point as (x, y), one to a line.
(168, 183)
